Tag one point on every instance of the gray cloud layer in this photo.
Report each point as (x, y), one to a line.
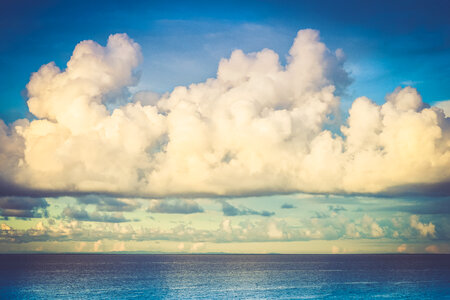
(80, 214)
(23, 207)
(287, 206)
(230, 210)
(110, 204)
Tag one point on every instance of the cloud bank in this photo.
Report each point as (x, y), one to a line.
(110, 204)
(228, 230)
(258, 127)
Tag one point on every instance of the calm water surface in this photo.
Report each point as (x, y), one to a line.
(39, 276)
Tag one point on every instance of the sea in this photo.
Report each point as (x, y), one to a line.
(221, 276)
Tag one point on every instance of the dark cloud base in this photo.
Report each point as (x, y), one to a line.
(441, 189)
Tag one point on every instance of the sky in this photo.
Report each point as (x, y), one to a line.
(225, 127)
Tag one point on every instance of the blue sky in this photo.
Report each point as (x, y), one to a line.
(262, 158)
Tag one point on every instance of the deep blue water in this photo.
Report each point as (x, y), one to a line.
(91, 276)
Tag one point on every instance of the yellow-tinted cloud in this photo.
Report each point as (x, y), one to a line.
(258, 127)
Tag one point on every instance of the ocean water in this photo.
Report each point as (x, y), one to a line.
(126, 276)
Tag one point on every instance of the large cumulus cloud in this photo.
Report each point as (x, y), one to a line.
(258, 127)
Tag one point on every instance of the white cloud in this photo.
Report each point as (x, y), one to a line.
(445, 106)
(371, 227)
(424, 229)
(225, 225)
(376, 230)
(98, 246)
(256, 128)
(402, 248)
(442, 248)
(180, 246)
(118, 247)
(432, 249)
(197, 247)
(351, 231)
(335, 249)
(80, 247)
(273, 231)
